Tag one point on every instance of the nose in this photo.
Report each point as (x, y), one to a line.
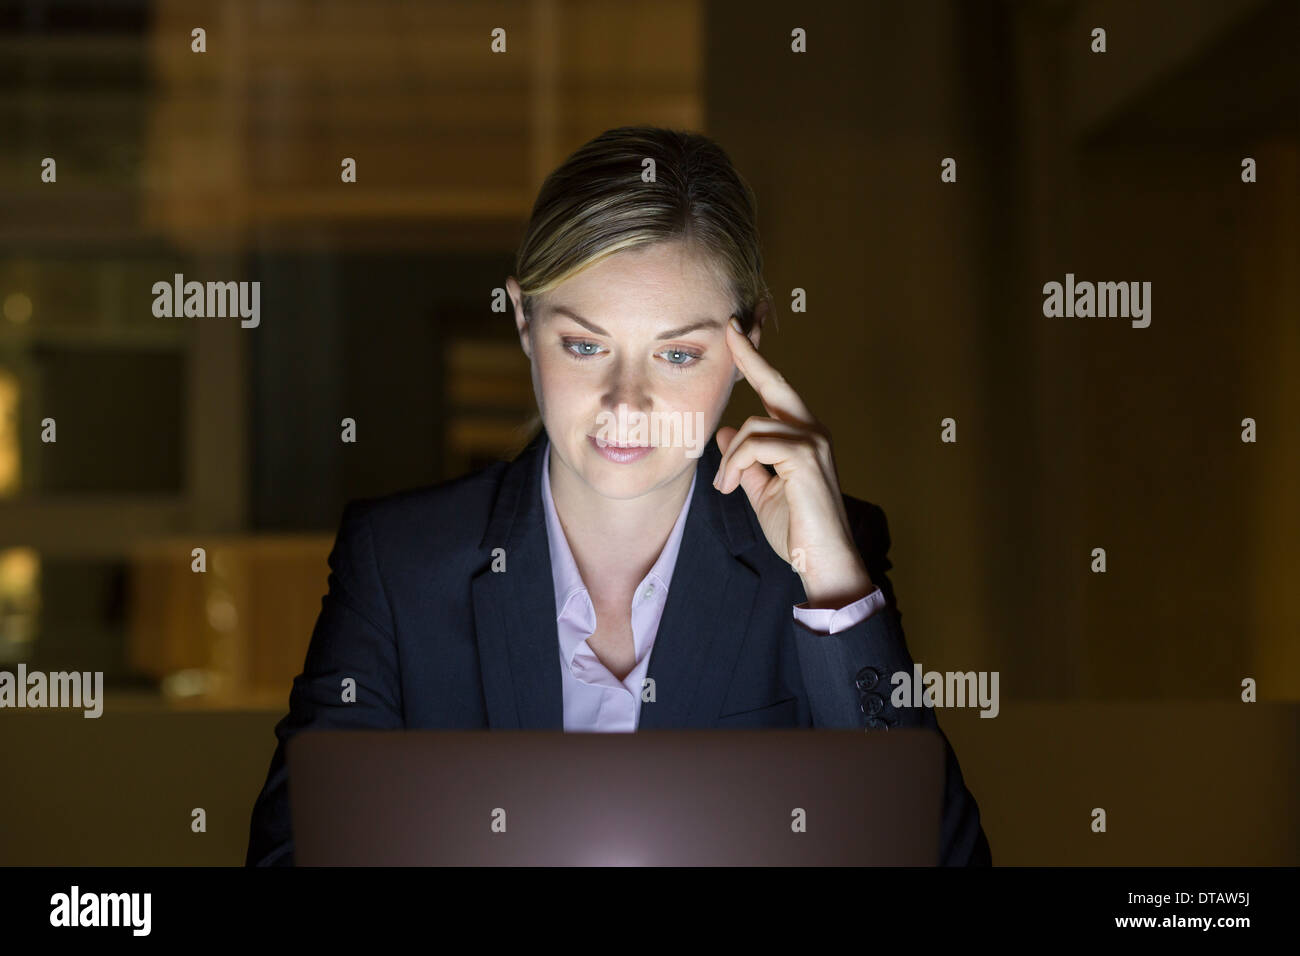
(628, 384)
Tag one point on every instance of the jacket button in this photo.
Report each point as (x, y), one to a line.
(872, 704)
(875, 723)
(867, 678)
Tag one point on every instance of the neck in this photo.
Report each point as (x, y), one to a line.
(615, 543)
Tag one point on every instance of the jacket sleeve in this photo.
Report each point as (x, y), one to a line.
(848, 679)
(353, 638)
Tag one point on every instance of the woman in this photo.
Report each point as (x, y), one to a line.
(759, 587)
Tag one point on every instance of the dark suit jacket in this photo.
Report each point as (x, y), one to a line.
(436, 639)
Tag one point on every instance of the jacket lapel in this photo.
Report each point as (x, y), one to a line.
(514, 609)
(710, 601)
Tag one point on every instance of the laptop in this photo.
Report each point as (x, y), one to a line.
(651, 798)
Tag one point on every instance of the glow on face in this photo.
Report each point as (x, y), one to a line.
(644, 329)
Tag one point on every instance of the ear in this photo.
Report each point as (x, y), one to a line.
(521, 323)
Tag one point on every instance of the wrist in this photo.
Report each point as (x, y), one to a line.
(837, 590)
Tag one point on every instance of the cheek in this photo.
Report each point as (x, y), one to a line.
(554, 380)
(707, 392)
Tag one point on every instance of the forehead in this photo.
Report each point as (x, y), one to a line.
(643, 280)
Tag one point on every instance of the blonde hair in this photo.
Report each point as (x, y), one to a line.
(597, 203)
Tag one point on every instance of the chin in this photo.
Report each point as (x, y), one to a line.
(621, 480)
(621, 491)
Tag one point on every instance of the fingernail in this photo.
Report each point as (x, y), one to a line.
(735, 324)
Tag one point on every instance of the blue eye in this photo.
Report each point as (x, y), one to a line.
(582, 349)
(570, 343)
(692, 356)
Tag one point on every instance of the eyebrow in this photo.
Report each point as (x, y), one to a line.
(670, 334)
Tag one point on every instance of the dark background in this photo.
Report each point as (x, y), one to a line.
(1120, 690)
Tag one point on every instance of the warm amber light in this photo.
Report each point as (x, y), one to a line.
(10, 451)
(18, 307)
(20, 573)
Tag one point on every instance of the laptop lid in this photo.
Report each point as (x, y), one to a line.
(659, 797)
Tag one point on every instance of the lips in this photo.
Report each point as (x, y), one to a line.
(619, 454)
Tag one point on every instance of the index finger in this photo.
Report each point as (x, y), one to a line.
(777, 395)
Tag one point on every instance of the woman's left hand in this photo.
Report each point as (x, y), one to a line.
(800, 508)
